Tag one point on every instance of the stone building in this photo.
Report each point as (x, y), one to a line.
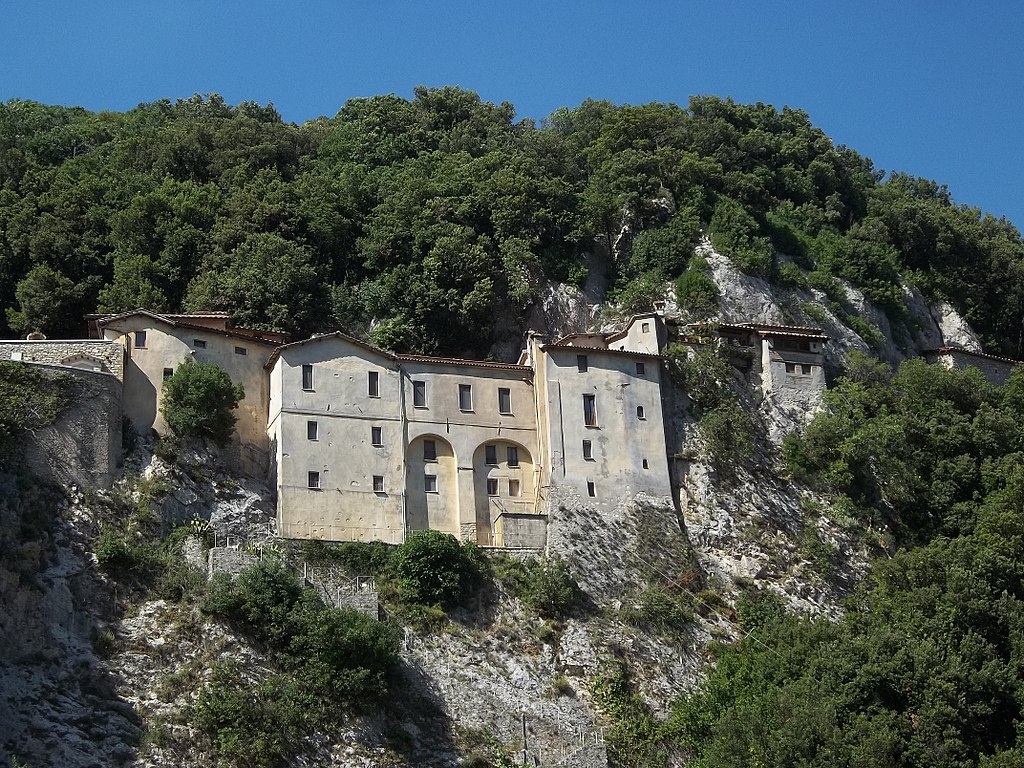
(996, 370)
(154, 345)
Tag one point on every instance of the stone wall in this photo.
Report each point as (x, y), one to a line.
(364, 602)
(229, 560)
(108, 356)
(521, 531)
(83, 445)
(995, 370)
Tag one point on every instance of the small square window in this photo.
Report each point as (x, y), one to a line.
(377, 436)
(373, 383)
(307, 377)
(591, 489)
(590, 410)
(168, 372)
(513, 487)
(790, 367)
(313, 480)
(429, 450)
(588, 450)
(198, 343)
(581, 363)
(492, 486)
(505, 401)
(140, 339)
(805, 370)
(419, 394)
(491, 455)
(465, 397)
(430, 483)
(640, 413)
(378, 483)
(645, 327)
(640, 369)
(513, 456)
(312, 430)
(241, 351)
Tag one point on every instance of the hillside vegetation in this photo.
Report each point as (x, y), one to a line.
(427, 218)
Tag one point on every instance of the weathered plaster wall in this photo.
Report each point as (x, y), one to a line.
(83, 446)
(345, 507)
(166, 348)
(621, 441)
(88, 355)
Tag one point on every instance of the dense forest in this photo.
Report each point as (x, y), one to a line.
(418, 222)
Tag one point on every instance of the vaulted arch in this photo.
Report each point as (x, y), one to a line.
(431, 485)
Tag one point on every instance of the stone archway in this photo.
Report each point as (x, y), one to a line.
(503, 482)
(431, 486)
(85, 362)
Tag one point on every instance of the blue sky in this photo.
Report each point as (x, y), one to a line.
(930, 88)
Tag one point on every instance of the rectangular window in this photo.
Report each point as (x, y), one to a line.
(312, 430)
(505, 401)
(645, 327)
(591, 489)
(513, 456)
(140, 339)
(419, 394)
(790, 367)
(241, 351)
(491, 455)
(640, 414)
(168, 372)
(581, 363)
(590, 410)
(513, 487)
(492, 486)
(805, 370)
(307, 377)
(373, 383)
(429, 450)
(430, 483)
(198, 343)
(378, 483)
(640, 368)
(588, 450)
(465, 397)
(377, 436)
(646, 465)
(313, 480)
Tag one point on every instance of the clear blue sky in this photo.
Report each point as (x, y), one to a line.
(933, 88)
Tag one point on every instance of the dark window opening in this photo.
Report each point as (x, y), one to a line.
(307, 376)
(581, 363)
(373, 384)
(590, 410)
(429, 450)
(419, 394)
(491, 455)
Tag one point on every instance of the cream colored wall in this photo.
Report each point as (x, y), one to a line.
(346, 507)
(621, 441)
(168, 347)
(636, 339)
(467, 431)
(438, 511)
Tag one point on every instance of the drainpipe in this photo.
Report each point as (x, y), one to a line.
(405, 451)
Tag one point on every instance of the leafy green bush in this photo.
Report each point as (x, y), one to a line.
(696, 291)
(434, 568)
(545, 586)
(656, 609)
(29, 400)
(727, 435)
(735, 233)
(199, 400)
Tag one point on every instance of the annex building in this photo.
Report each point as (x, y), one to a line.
(363, 444)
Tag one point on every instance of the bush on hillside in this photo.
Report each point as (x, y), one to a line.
(433, 568)
(199, 400)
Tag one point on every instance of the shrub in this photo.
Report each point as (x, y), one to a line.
(199, 400)
(434, 568)
(658, 610)
(696, 291)
(550, 588)
(258, 601)
(726, 434)
(735, 233)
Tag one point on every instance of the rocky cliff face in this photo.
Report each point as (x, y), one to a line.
(89, 676)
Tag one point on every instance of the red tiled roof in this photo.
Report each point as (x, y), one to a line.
(460, 361)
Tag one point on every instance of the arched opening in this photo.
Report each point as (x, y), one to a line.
(431, 486)
(84, 362)
(503, 483)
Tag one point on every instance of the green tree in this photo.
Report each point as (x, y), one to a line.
(434, 568)
(199, 400)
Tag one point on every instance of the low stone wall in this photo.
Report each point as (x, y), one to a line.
(229, 560)
(83, 445)
(995, 370)
(88, 355)
(364, 602)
